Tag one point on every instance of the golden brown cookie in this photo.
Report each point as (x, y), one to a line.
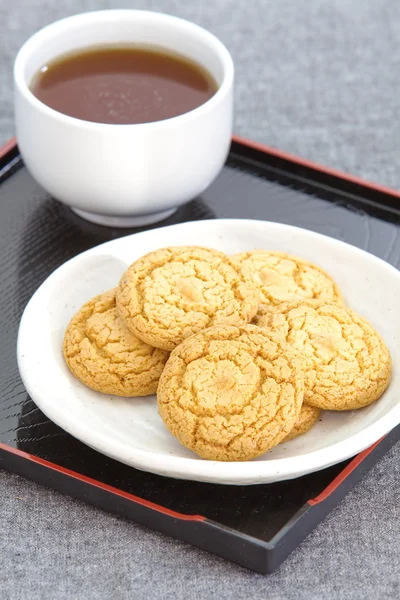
(264, 309)
(308, 416)
(348, 365)
(169, 294)
(231, 393)
(285, 278)
(105, 356)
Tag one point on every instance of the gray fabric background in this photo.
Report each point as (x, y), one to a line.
(315, 78)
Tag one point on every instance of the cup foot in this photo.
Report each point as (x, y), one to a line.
(110, 221)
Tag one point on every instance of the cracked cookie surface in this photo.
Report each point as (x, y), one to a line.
(172, 293)
(105, 356)
(231, 393)
(348, 365)
(306, 419)
(282, 277)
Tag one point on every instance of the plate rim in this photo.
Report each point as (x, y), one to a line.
(231, 473)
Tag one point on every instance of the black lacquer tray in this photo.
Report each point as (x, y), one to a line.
(255, 526)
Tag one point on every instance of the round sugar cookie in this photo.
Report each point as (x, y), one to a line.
(172, 293)
(231, 393)
(348, 365)
(282, 277)
(105, 356)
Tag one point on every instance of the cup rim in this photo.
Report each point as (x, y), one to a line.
(119, 14)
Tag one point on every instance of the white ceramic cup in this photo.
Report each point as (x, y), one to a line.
(124, 175)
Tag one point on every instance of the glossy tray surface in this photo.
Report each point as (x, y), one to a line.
(37, 234)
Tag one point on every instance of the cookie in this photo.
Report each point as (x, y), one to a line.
(231, 393)
(284, 278)
(170, 294)
(308, 416)
(348, 365)
(264, 309)
(105, 356)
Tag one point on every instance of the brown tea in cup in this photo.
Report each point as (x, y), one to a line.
(123, 84)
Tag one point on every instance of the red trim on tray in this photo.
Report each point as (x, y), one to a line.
(280, 154)
(103, 486)
(153, 506)
(343, 475)
(316, 166)
(8, 146)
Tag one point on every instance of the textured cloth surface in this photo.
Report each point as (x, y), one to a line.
(314, 78)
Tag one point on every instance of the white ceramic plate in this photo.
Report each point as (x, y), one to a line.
(130, 430)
